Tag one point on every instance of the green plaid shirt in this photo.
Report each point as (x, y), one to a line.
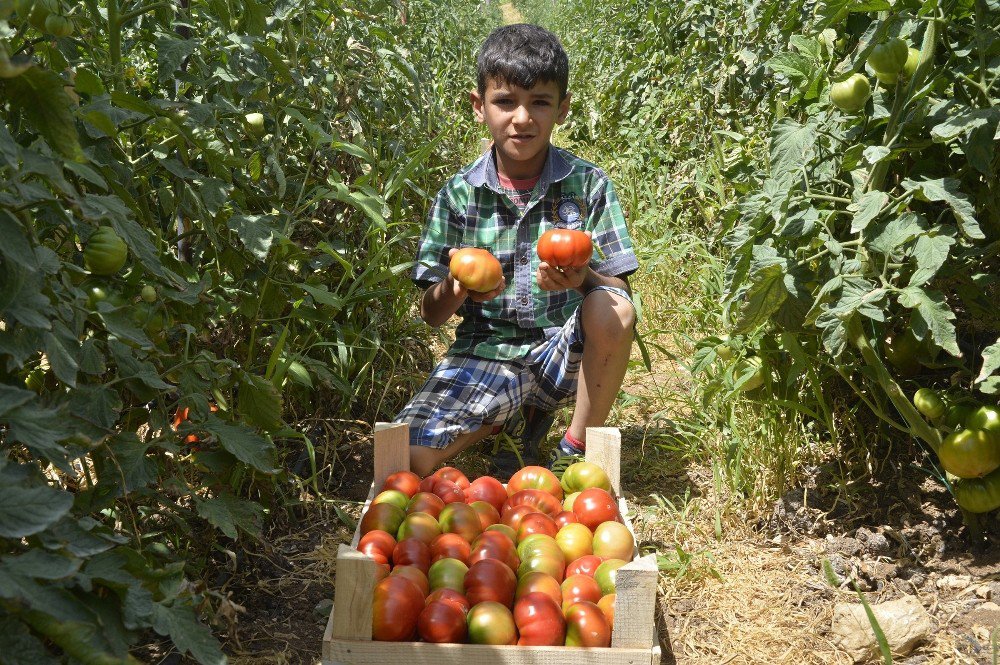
(472, 210)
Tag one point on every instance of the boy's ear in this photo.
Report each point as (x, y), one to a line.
(563, 109)
(477, 105)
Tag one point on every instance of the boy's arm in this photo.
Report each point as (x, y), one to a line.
(440, 301)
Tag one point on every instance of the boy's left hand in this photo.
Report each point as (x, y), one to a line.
(550, 278)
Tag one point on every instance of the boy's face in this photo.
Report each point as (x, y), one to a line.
(521, 123)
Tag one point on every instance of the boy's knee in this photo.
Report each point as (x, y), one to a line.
(423, 460)
(608, 317)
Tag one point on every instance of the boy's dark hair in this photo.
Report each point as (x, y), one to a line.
(523, 55)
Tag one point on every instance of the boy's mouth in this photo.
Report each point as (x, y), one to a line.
(522, 137)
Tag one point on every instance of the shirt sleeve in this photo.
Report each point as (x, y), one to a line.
(607, 222)
(442, 232)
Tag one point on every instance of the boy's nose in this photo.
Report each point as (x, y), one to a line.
(521, 115)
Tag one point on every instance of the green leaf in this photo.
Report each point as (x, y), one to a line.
(170, 54)
(119, 323)
(87, 82)
(765, 295)
(131, 367)
(791, 145)
(931, 315)
(931, 252)
(20, 647)
(187, 633)
(889, 238)
(273, 57)
(324, 297)
(15, 245)
(132, 466)
(60, 345)
(243, 442)
(866, 209)
(256, 232)
(40, 429)
(227, 511)
(26, 510)
(41, 564)
(947, 190)
(991, 362)
(797, 67)
(964, 122)
(369, 203)
(38, 93)
(12, 397)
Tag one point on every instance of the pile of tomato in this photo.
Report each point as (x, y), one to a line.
(533, 563)
(970, 451)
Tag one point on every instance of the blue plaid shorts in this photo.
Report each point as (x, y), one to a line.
(465, 393)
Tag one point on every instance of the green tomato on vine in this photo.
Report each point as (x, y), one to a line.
(888, 57)
(852, 93)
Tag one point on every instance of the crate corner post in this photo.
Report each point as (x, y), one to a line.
(604, 448)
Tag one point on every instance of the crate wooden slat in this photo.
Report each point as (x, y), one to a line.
(348, 641)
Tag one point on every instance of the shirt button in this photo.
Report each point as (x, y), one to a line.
(524, 259)
(524, 301)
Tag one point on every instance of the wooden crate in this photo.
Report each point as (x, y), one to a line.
(348, 636)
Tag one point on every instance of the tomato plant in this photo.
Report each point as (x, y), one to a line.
(106, 252)
(929, 403)
(852, 93)
(565, 248)
(978, 495)
(476, 269)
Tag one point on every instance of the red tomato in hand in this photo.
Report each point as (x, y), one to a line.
(412, 552)
(406, 482)
(396, 606)
(476, 269)
(586, 626)
(450, 546)
(489, 579)
(488, 489)
(535, 478)
(565, 248)
(539, 621)
(378, 545)
(440, 622)
(594, 506)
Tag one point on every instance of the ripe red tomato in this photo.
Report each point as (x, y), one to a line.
(579, 587)
(566, 517)
(489, 579)
(538, 582)
(452, 597)
(382, 516)
(441, 622)
(454, 475)
(607, 605)
(488, 515)
(540, 500)
(447, 574)
(460, 518)
(491, 623)
(412, 552)
(594, 506)
(585, 565)
(450, 546)
(427, 483)
(415, 575)
(406, 482)
(586, 626)
(425, 502)
(576, 540)
(476, 269)
(613, 540)
(396, 606)
(378, 545)
(418, 525)
(539, 621)
(512, 516)
(448, 491)
(535, 478)
(488, 489)
(565, 248)
(536, 523)
(494, 545)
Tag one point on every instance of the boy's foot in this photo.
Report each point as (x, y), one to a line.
(528, 428)
(563, 454)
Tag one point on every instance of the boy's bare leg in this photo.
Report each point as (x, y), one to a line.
(608, 321)
(423, 460)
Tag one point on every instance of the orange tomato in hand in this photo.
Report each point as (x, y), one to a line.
(565, 248)
(476, 269)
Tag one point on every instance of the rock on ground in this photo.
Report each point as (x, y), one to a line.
(904, 621)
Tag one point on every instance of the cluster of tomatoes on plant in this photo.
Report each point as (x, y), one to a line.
(890, 61)
(970, 451)
(478, 270)
(533, 563)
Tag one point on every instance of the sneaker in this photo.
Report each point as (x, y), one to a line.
(521, 436)
(562, 455)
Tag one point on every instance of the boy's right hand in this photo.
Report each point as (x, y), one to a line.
(476, 296)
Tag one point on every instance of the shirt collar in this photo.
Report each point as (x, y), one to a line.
(483, 172)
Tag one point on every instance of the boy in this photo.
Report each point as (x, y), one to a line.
(545, 335)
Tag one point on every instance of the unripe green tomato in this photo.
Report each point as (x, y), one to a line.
(41, 10)
(255, 123)
(725, 352)
(978, 495)
(149, 293)
(23, 8)
(889, 56)
(58, 26)
(984, 418)
(96, 295)
(929, 403)
(35, 381)
(970, 453)
(106, 252)
(887, 78)
(958, 414)
(912, 59)
(756, 380)
(851, 94)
